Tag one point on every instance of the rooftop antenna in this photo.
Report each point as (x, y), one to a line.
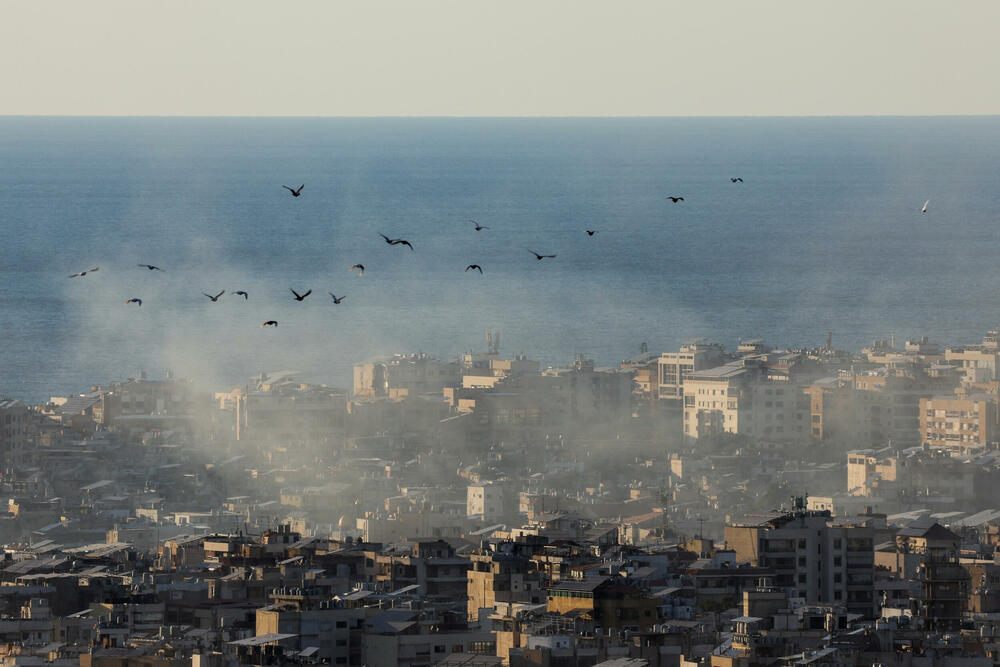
(493, 342)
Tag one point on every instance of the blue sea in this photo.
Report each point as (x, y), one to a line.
(824, 234)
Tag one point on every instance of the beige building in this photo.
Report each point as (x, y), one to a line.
(875, 407)
(865, 469)
(744, 397)
(976, 363)
(402, 376)
(500, 580)
(962, 425)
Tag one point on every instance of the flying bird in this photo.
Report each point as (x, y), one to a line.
(242, 294)
(590, 232)
(295, 193)
(151, 267)
(216, 297)
(83, 273)
(475, 267)
(924, 209)
(539, 257)
(300, 297)
(736, 180)
(396, 241)
(270, 323)
(360, 268)
(478, 227)
(134, 300)
(335, 299)
(675, 199)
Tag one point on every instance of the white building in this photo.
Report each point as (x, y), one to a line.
(745, 397)
(672, 366)
(486, 501)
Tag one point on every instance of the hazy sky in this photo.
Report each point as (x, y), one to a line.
(502, 58)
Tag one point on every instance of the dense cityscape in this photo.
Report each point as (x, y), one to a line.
(705, 506)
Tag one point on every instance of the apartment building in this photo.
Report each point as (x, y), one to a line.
(962, 425)
(431, 565)
(500, 580)
(866, 468)
(401, 376)
(874, 407)
(745, 396)
(13, 432)
(278, 407)
(813, 555)
(490, 501)
(976, 363)
(838, 412)
(610, 603)
(695, 355)
(532, 405)
(328, 633)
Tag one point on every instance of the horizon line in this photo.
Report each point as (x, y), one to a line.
(488, 117)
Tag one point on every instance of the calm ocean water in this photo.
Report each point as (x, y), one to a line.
(824, 234)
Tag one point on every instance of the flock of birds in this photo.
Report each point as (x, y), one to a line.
(297, 192)
(337, 300)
